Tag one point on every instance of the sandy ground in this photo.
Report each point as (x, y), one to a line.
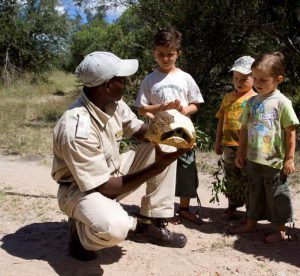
(34, 235)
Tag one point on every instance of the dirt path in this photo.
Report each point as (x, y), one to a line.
(34, 236)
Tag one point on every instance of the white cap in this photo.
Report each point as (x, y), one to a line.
(98, 67)
(243, 65)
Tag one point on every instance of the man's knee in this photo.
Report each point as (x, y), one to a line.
(115, 229)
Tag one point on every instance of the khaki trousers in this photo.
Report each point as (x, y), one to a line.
(102, 222)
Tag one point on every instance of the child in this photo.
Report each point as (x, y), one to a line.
(268, 140)
(168, 87)
(228, 131)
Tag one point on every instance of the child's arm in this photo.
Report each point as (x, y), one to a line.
(155, 108)
(242, 150)
(190, 109)
(219, 136)
(290, 145)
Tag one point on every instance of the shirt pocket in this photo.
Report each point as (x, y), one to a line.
(119, 135)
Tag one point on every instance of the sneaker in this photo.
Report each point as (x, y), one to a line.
(156, 232)
(76, 249)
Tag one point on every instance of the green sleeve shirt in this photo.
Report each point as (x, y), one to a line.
(266, 118)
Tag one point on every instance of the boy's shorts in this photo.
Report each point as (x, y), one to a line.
(235, 178)
(187, 176)
(269, 195)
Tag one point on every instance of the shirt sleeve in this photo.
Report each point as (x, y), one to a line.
(288, 115)
(143, 97)
(131, 124)
(86, 161)
(194, 94)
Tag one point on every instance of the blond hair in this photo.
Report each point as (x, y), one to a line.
(272, 63)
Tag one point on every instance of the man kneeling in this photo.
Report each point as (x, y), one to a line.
(92, 174)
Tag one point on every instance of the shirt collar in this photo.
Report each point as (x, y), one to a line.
(100, 116)
(275, 92)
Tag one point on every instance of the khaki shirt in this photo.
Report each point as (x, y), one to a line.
(86, 142)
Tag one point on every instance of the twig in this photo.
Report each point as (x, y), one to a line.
(28, 195)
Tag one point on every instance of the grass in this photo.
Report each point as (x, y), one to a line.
(26, 209)
(28, 113)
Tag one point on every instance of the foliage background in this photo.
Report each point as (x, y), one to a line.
(37, 38)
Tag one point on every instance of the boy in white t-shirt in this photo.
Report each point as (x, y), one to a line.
(168, 87)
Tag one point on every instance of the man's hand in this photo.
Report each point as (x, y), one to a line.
(149, 115)
(164, 159)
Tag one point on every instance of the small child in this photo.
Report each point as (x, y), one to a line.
(168, 87)
(228, 131)
(268, 140)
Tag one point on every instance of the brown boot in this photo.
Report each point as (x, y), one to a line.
(76, 249)
(155, 231)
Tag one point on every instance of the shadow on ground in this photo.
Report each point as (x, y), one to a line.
(286, 251)
(251, 243)
(48, 241)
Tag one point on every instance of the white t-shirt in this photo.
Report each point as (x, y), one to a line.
(160, 87)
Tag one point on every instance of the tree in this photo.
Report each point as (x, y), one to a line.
(215, 33)
(33, 34)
